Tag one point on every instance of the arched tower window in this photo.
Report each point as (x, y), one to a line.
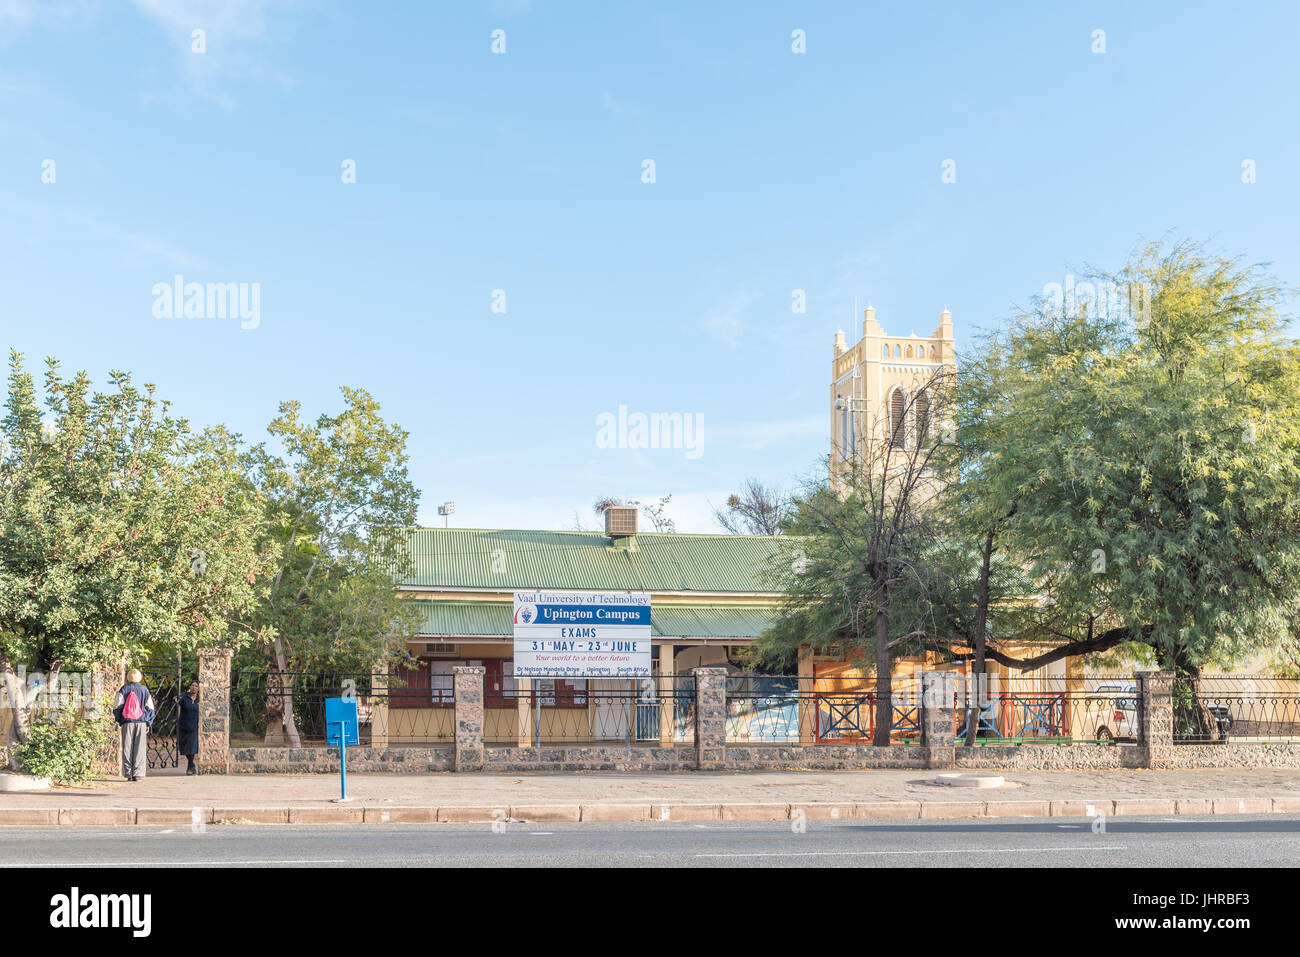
(921, 405)
(898, 352)
(897, 419)
(908, 352)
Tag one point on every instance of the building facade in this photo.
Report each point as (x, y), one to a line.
(709, 597)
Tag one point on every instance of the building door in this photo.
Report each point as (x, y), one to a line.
(610, 707)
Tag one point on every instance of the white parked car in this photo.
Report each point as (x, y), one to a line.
(1110, 712)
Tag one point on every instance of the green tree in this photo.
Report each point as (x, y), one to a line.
(338, 500)
(120, 529)
(1153, 462)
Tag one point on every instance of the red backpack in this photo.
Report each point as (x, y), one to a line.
(131, 710)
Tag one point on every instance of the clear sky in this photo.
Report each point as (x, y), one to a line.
(522, 171)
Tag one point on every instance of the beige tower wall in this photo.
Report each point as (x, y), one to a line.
(863, 374)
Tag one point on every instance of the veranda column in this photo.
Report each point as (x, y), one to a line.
(379, 705)
(807, 704)
(667, 697)
(524, 705)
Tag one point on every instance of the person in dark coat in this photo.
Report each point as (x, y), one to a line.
(187, 726)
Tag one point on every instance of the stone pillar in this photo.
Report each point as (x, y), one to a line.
(807, 703)
(667, 696)
(469, 717)
(524, 703)
(711, 718)
(379, 705)
(214, 711)
(938, 717)
(1155, 691)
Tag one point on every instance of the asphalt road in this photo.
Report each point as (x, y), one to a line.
(1249, 841)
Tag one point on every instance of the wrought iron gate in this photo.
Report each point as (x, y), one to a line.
(167, 685)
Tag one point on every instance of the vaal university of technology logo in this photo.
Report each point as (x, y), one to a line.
(526, 614)
(76, 910)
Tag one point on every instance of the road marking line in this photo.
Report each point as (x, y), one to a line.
(940, 850)
(182, 863)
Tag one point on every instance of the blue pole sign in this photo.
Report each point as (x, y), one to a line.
(341, 729)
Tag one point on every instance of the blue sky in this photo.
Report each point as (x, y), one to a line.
(522, 172)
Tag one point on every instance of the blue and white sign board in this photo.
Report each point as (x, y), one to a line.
(341, 716)
(582, 634)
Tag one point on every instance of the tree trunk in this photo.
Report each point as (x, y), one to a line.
(1197, 719)
(274, 737)
(281, 729)
(884, 677)
(981, 641)
(19, 704)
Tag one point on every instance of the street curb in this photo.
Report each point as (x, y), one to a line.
(620, 813)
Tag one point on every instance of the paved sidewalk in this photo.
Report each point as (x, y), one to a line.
(310, 798)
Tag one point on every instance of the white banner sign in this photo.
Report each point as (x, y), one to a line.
(582, 634)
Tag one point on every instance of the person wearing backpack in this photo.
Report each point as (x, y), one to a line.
(134, 710)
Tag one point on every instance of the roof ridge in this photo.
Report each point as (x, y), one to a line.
(595, 532)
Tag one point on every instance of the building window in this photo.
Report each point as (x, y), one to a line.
(898, 352)
(922, 406)
(897, 419)
(848, 444)
(500, 690)
(561, 692)
(442, 683)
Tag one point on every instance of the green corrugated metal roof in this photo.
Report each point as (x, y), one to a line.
(466, 618)
(493, 619)
(509, 560)
(709, 621)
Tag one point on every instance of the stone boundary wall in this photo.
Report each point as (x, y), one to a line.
(1155, 747)
(823, 757)
(591, 758)
(1049, 757)
(323, 760)
(1229, 755)
(772, 757)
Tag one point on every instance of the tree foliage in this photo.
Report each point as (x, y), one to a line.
(1153, 461)
(338, 496)
(119, 526)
